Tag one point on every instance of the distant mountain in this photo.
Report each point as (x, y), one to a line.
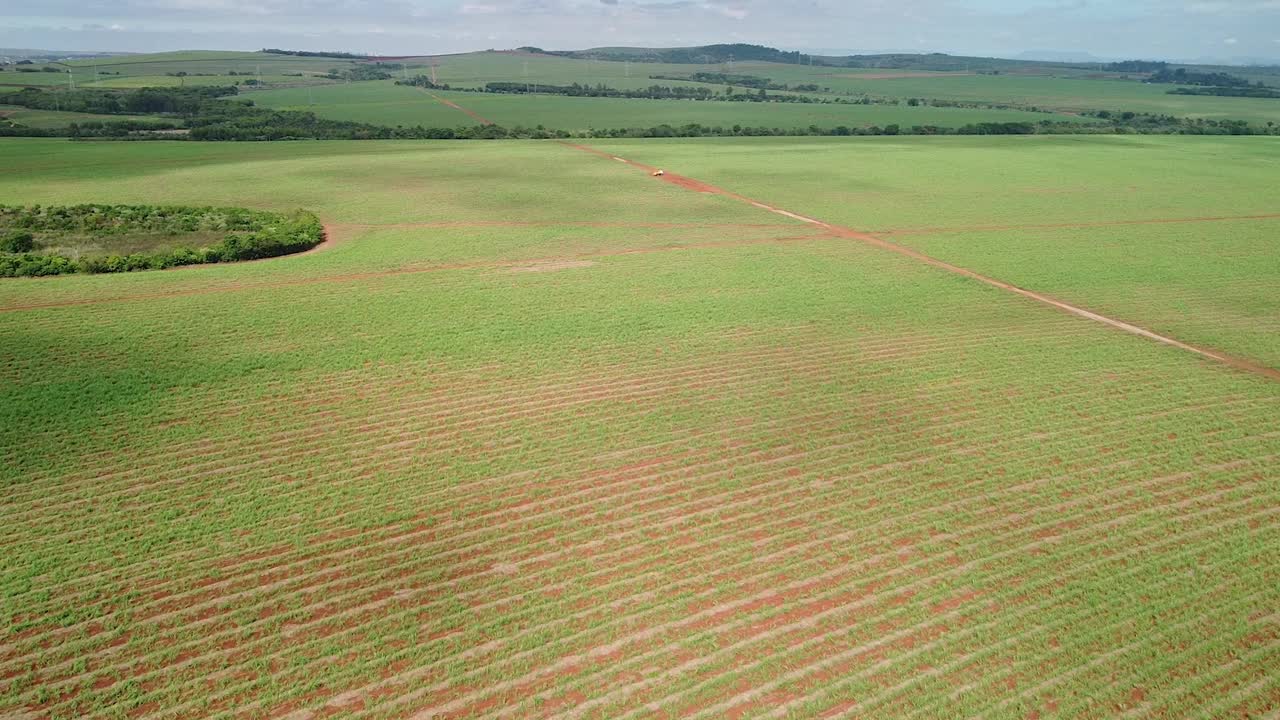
(12, 54)
(1231, 62)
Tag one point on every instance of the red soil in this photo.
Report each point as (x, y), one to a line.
(456, 106)
(557, 224)
(840, 231)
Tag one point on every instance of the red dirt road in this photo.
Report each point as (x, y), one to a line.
(463, 224)
(456, 106)
(840, 231)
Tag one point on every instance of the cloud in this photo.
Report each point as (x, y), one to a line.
(1232, 7)
(736, 12)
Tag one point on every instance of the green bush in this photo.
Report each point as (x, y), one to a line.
(17, 241)
(251, 235)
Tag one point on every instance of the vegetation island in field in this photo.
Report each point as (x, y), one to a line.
(54, 240)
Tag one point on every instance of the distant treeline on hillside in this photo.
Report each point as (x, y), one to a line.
(1183, 76)
(213, 113)
(652, 92)
(307, 53)
(655, 92)
(719, 54)
(754, 82)
(170, 101)
(706, 54)
(1245, 92)
(1136, 66)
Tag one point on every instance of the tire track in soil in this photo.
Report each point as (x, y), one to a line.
(851, 234)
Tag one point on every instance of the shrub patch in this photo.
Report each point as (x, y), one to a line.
(52, 240)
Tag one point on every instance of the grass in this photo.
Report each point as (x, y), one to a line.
(137, 81)
(1067, 93)
(1215, 283)
(377, 103)
(1204, 282)
(388, 104)
(56, 119)
(216, 62)
(541, 433)
(13, 79)
(76, 247)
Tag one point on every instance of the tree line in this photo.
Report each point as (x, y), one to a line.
(705, 54)
(322, 54)
(750, 81)
(1245, 92)
(1183, 76)
(208, 114)
(653, 92)
(142, 101)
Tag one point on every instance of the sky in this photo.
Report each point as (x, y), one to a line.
(1164, 29)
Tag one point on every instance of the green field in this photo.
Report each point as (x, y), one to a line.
(385, 103)
(1215, 282)
(540, 435)
(160, 70)
(378, 102)
(1068, 93)
(211, 62)
(55, 119)
(138, 81)
(35, 79)
(1063, 91)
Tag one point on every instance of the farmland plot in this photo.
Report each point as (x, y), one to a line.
(586, 444)
(1122, 226)
(384, 103)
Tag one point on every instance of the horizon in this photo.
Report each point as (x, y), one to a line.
(1032, 56)
(1239, 31)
